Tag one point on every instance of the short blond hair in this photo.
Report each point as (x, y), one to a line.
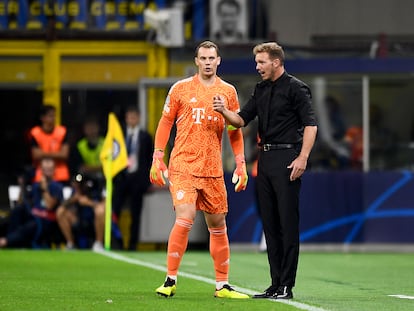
(272, 48)
(207, 44)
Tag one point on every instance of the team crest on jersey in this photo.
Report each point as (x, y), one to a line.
(180, 194)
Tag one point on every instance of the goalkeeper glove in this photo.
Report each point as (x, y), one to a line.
(159, 171)
(240, 176)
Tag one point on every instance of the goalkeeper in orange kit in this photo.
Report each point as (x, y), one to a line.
(195, 171)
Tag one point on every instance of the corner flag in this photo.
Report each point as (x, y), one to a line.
(114, 159)
(113, 156)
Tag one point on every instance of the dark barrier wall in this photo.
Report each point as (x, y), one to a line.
(338, 207)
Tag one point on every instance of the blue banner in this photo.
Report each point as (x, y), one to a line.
(78, 14)
(61, 14)
(3, 15)
(13, 14)
(36, 18)
(134, 18)
(337, 207)
(97, 14)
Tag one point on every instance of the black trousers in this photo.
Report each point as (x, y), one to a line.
(127, 186)
(278, 202)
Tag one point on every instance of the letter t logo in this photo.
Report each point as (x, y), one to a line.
(198, 114)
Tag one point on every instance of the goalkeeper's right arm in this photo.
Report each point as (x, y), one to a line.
(159, 171)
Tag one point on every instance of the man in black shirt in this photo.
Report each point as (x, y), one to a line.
(287, 132)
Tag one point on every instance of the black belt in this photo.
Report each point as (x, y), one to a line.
(268, 147)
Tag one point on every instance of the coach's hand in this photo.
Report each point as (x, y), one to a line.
(240, 176)
(159, 171)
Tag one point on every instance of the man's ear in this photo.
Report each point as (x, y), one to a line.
(219, 60)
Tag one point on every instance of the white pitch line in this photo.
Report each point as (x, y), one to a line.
(402, 296)
(299, 305)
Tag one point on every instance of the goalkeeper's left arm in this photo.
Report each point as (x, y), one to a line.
(240, 176)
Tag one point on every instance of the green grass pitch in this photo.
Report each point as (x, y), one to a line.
(83, 280)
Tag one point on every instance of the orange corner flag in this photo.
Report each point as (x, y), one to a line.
(113, 156)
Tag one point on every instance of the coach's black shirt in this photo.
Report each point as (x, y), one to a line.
(283, 108)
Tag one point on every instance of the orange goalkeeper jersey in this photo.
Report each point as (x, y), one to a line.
(198, 143)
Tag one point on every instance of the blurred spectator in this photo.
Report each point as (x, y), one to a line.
(354, 138)
(134, 181)
(339, 157)
(84, 158)
(336, 118)
(50, 140)
(332, 146)
(83, 210)
(34, 220)
(382, 139)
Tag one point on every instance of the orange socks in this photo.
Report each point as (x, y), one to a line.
(220, 252)
(219, 249)
(177, 244)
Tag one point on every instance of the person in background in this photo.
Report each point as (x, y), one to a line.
(49, 140)
(338, 155)
(32, 221)
(354, 137)
(287, 131)
(382, 140)
(85, 205)
(195, 173)
(133, 182)
(85, 156)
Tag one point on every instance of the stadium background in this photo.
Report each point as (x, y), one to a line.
(94, 61)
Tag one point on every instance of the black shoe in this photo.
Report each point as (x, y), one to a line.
(268, 293)
(284, 292)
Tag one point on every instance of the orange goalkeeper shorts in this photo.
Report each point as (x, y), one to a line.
(207, 193)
